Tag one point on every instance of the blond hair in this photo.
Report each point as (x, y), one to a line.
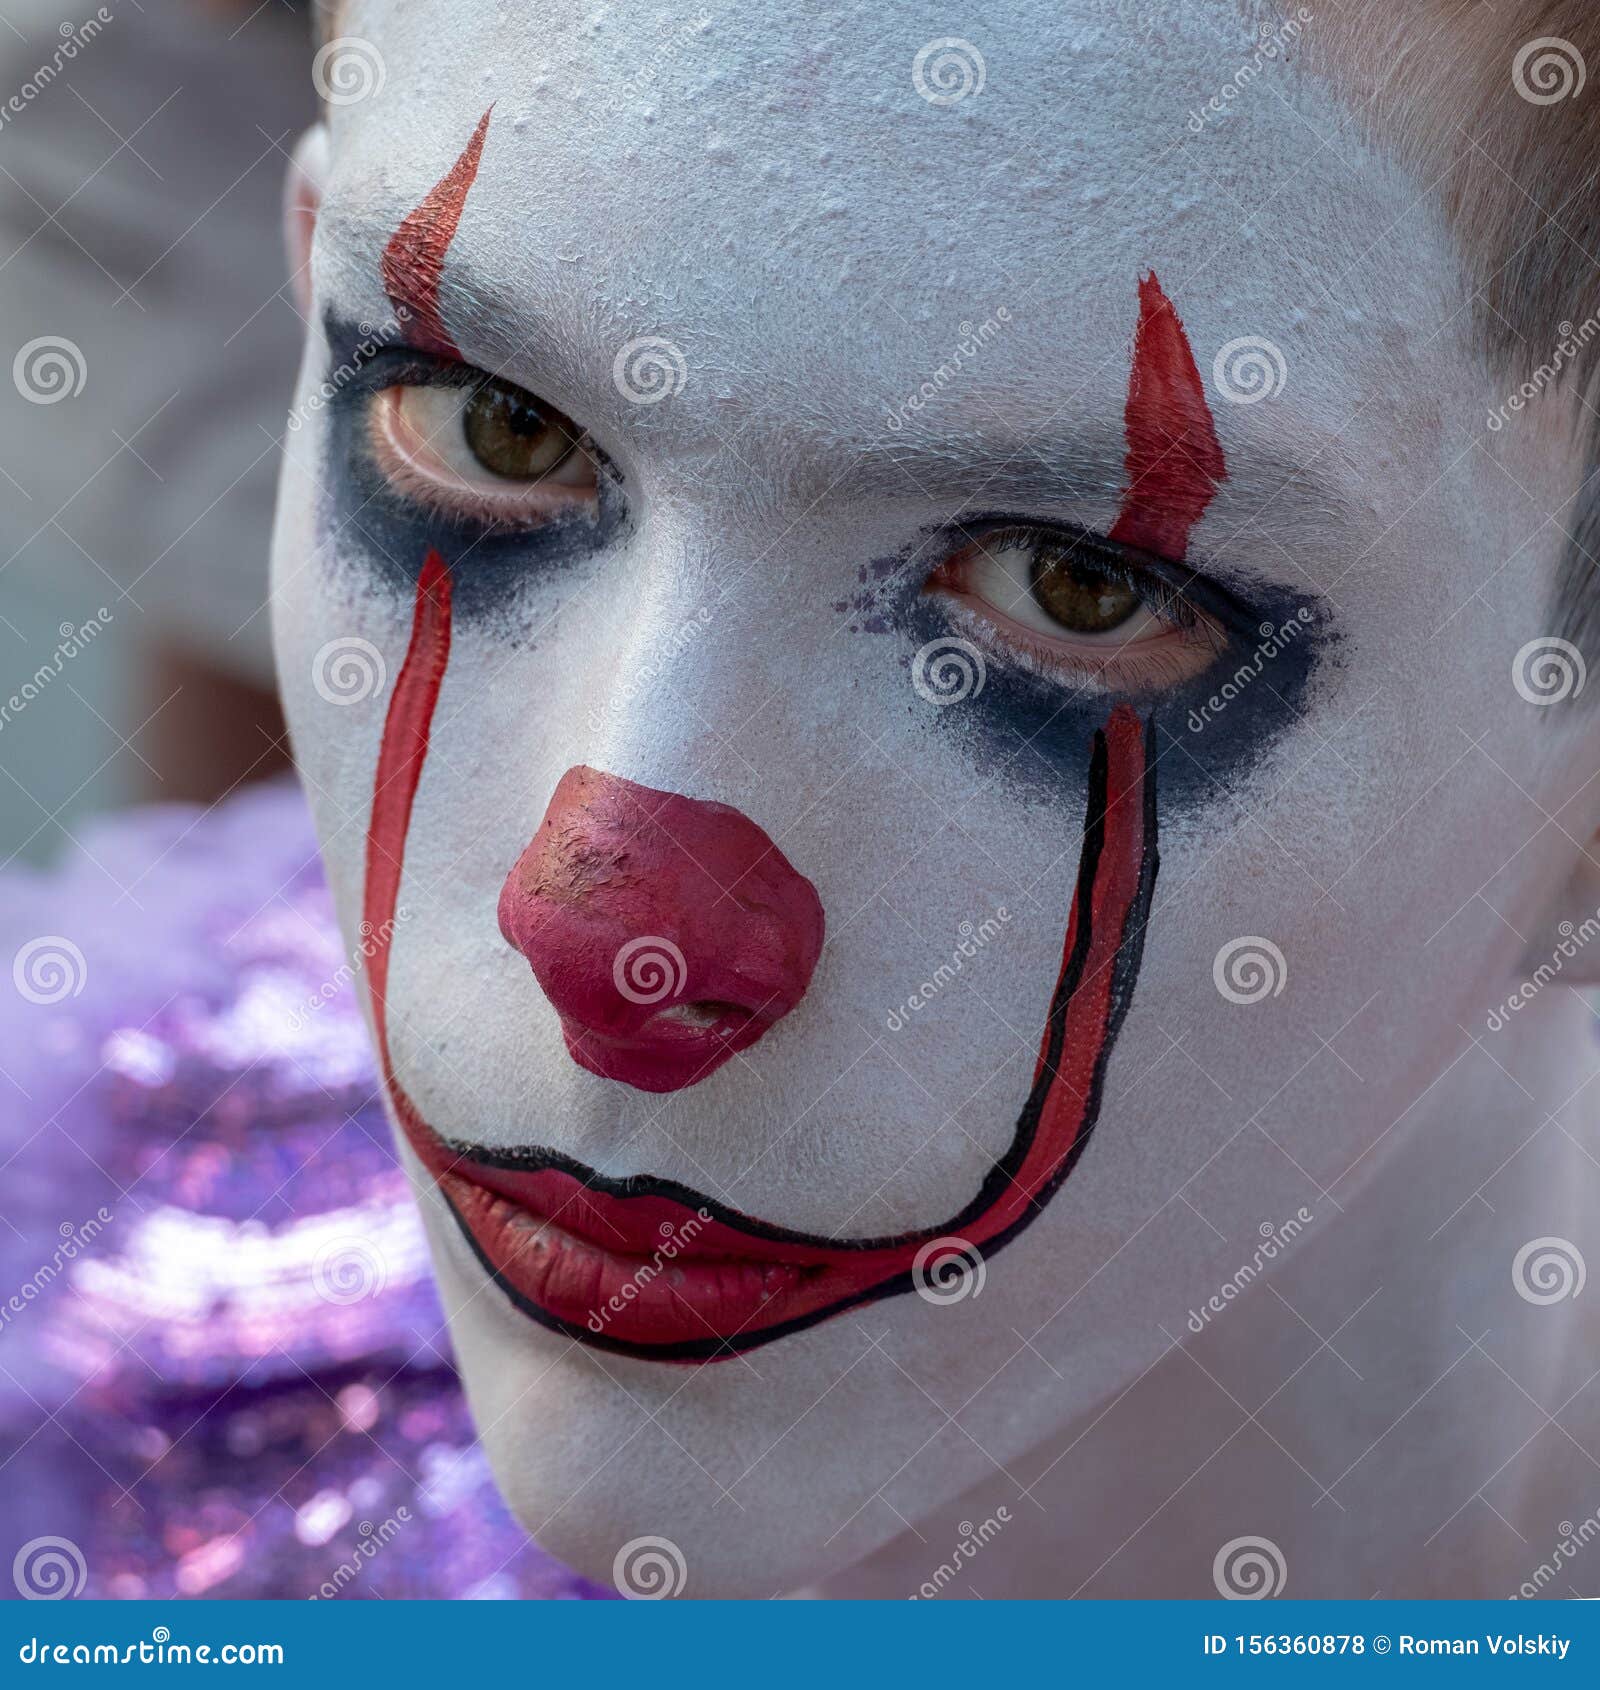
(1492, 107)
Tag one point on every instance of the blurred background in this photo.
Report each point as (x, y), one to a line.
(223, 1369)
(143, 289)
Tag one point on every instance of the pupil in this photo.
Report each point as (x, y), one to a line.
(511, 437)
(519, 416)
(1080, 598)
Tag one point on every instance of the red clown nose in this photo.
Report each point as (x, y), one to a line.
(668, 932)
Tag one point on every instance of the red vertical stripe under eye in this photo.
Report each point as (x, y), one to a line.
(1174, 461)
(404, 750)
(1109, 909)
(413, 261)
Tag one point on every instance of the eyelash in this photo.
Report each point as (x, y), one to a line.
(1106, 557)
(481, 511)
(1078, 661)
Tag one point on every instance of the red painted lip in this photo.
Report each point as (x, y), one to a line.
(652, 1272)
(641, 1273)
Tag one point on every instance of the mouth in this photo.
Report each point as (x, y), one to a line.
(641, 1267)
(651, 1269)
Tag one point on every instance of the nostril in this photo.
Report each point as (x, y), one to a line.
(704, 1014)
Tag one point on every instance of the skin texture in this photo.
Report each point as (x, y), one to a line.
(738, 621)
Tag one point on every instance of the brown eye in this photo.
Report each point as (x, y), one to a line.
(1078, 596)
(515, 437)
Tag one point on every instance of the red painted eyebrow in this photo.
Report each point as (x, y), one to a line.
(1174, 460)
(413, 261)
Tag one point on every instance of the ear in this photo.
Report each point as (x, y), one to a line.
(1564, 945)
(302, 201)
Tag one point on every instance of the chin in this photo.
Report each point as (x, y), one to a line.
(655, 1530)
(742, 1479)
(646, 1476)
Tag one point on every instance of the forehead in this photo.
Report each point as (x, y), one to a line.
(826, 197)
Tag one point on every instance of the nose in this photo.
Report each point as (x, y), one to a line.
(667, 932)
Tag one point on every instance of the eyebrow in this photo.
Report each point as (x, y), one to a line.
(1283, 493)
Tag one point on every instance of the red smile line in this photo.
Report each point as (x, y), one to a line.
(647, 1267)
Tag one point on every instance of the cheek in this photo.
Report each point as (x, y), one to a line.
(337, 653)
(1318, 950)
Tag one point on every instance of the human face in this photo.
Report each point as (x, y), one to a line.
(778, 683)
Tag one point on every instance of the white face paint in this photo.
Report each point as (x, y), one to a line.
(891, 323)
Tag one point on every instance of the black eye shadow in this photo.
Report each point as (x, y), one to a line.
(393, 534)
(1031, 734)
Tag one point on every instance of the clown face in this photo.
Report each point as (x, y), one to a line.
(818, 514)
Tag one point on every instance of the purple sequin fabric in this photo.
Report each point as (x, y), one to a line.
(223, 1367)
